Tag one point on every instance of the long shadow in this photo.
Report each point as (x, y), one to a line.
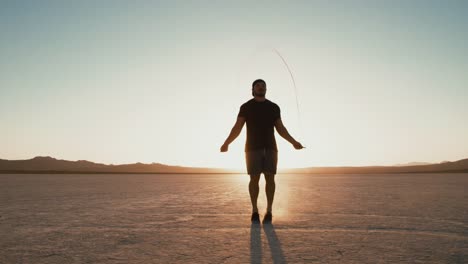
(274, 243)
(255, 244)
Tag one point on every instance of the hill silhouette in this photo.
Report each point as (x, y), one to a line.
(47, 164)
(445, 166)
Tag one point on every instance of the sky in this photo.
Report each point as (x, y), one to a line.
(377, 82)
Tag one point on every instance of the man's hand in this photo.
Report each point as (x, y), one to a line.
(224, 148)
(298, 145)
(235, 131)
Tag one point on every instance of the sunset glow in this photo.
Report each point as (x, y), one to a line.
(163, 81)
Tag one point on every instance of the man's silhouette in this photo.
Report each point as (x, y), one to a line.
(261, 152)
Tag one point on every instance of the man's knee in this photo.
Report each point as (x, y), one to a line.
(254, 178)
(269, 178)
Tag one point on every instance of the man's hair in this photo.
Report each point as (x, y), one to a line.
(255, 82)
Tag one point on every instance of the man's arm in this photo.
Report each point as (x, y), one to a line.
(281, 129)
(235, 131)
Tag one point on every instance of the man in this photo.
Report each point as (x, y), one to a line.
(261, 153)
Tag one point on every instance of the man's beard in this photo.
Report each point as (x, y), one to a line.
(260, 94)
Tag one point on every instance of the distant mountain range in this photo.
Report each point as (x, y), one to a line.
(52, 165)
(445, 166)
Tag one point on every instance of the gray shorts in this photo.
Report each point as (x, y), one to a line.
(261, 161)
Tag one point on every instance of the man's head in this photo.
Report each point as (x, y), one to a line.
(259, 88)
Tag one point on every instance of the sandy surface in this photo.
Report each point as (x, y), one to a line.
(418, 218)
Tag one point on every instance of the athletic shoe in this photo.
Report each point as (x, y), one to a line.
(255, 218)
(267, 218)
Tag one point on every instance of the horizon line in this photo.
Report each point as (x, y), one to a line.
(412, 163)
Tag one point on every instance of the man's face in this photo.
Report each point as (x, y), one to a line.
(260, 89)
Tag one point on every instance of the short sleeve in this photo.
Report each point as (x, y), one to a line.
(242, 111)
(276, 113)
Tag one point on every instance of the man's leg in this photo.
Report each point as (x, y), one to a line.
(253, 190)
(270, 187)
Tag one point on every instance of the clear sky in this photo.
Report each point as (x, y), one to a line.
(378, 82)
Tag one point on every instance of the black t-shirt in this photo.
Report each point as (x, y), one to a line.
(260, 118)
